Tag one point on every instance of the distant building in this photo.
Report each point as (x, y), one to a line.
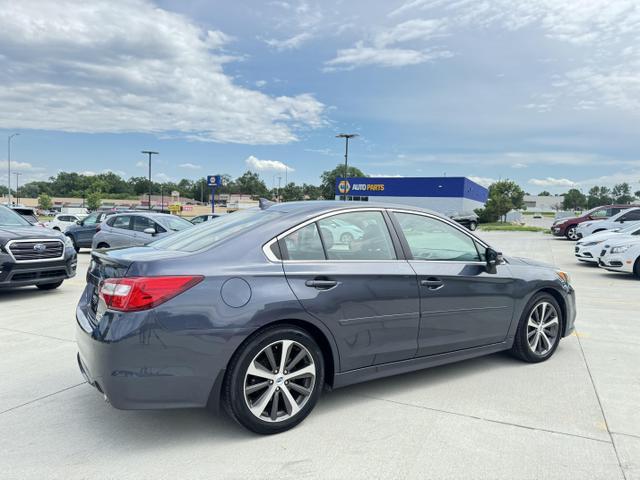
(542, 203)
(447, 195)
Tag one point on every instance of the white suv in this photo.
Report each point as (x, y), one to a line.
(62, 220)
(621, 256)
(618, 221)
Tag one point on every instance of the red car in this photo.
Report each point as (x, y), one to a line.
(567, 226)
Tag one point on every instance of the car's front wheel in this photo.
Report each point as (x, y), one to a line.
(473, 225)
(539, 330)
(274, 380)
(49, 286)
(572, 233)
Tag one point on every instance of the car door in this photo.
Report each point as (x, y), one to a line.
(87, 229)
(361, 289)
(461, 305)
(140, 224)
(120, 232)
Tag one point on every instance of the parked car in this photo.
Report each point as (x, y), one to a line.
(537, 215)
(619, 220)
(63, 220)
(258, 311)
(205, 218)
(82, 233)
(469, 220)
(568, 227)
(621, 255)
(130, 229)
(588, 249)
(339, 231)
(30, 255)
(28, 213)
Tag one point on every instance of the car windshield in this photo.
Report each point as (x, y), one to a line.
(176, 223)
(9, 218)
(208, 234)
(631, 229)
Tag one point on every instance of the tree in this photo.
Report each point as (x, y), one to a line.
(44, 202)
(250, 183)
(544, 193)
(94, 200)
(574, 199)
(622, 193)
(328, 179)
(504, 196)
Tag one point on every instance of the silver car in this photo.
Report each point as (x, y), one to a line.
(135, 229)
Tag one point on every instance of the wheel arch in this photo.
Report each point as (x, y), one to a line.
(558, 297)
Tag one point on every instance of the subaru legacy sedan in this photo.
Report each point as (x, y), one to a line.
(261, 310)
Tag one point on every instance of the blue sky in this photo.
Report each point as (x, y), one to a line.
(543, 92)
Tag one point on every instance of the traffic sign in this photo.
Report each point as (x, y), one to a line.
(214, 180)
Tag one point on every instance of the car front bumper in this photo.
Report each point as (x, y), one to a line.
(557, 231)
(587, 254)
(23, 274)
(615, 263)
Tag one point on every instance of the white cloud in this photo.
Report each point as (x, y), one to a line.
(361, 55)
(291, 43)
(519, 165)
(88, 173)
(162, 177)
(254, 163)
(484, 181)
(260, 83)
(130, 66)
(141, 164)
(190, 166)
(552, 182)
(411, 30)
(18, 166)
(382, 175)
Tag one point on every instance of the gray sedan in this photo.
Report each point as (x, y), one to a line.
(135, 229)
(260, 310)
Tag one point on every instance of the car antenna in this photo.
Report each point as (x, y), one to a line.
(264, 203)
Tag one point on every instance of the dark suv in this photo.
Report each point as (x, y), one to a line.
(81, 235)
(567, 227)
(31, 255)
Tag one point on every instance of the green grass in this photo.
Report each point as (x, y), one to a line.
(508, 227)
(544, 214)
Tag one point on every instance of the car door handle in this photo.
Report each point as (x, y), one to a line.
(321, 284)
(432, 283)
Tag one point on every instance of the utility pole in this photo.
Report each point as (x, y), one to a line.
(279, 179)
(346, 137)
(148, 152)
(9, 164)
(161, 198)
(17, 174)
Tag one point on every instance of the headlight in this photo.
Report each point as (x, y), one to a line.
(564, 276)
(68, 243)
(620, 248)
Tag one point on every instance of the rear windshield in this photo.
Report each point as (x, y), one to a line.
(9, 218)
(208, 234)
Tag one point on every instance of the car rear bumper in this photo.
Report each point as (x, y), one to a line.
(22, 274)
(136, 363)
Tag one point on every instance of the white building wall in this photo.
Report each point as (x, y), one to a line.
(444, 205)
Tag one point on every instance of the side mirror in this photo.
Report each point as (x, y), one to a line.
(150, 231)
(78, 222)
(493, 260)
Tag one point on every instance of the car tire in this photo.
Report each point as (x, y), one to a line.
(346, 238)
(473, 225)
(75, 244)
(49, 286)
(270, 394)
(532, 343)
(636, 268)
(572, 233)
(103, 245)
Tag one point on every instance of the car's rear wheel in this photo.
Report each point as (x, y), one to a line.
(473, 225)
(539, 330)
(572, 233)
(346, 238)
(49, 286)
(274, 380)
(636, 268)
(56, 228)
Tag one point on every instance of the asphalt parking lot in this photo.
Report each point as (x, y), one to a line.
(575, 416)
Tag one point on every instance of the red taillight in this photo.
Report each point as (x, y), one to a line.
(131, 294)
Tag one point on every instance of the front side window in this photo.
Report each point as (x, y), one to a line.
(602, 213)
(632, 216)
(91, 219)
(140, 224)
(357, 236)
(432, 239)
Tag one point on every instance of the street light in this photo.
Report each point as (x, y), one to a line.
(9, 163)
(148, 152)
(346, 137)
(17, 174)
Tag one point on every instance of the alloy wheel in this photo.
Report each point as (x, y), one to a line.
(572, 233)
(543, 328)
(279, 381)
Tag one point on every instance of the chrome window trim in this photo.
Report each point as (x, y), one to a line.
(26, 240)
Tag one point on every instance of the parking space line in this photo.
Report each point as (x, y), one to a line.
(41, 398)
(490, 420)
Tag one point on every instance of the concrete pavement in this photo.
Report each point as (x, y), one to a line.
(575, 416)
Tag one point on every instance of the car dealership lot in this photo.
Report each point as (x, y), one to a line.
(575, 416)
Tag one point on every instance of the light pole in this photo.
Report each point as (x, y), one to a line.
(17, 174)
(9, 164)
(346, 137)
(148, 152)
(279, 180)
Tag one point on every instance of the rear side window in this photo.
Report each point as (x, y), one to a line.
(123, 222)
(632, 216)
(305, 244)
